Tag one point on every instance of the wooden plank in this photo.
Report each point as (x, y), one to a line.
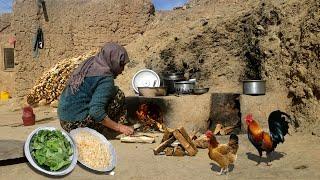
(187, 137)
(167, 134)
(201, 142)
(163, 145)
(184, 143)
(137, 139)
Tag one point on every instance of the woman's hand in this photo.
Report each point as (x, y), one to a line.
(125, 129)
(117, 127)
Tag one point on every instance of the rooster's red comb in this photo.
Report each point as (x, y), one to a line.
(209, 133)
(249, 117)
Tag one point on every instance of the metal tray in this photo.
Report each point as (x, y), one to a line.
(32, 161)
(111, 149)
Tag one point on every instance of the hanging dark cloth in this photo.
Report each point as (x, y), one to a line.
(38, 42)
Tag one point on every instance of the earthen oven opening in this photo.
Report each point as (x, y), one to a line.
(150, 116)
(152, 112)
(225, 112)
(148, 112)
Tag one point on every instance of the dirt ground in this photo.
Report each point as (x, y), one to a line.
(297, 158)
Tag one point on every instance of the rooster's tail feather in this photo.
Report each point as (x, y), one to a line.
(278, 126)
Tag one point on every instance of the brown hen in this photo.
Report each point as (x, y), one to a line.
(223, 154)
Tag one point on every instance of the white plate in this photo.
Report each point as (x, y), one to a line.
(145, 78)
(111, 149)
(73, 158)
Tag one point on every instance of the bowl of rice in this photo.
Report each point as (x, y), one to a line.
(94, 150)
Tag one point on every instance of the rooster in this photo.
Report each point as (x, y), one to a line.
(223, 154)
(263, 141)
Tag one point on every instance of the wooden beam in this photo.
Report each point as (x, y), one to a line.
(163, 145)
(187, 137)
(185, 144)
(167, 134)
(137, 139)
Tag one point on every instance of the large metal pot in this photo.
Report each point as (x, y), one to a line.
(184, 87)
(254, 87)
(170, 78)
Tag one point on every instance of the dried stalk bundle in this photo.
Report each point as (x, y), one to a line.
(50, 85)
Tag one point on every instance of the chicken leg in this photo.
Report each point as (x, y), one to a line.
(268, 159)
(260, 154)
(221, 171)
(227, 169)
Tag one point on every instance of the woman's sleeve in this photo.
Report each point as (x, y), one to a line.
(103, 93)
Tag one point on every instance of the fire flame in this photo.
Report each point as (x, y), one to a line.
(150, 116)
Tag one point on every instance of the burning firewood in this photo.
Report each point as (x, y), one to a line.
(150, 116)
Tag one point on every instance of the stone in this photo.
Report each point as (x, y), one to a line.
(261, 28)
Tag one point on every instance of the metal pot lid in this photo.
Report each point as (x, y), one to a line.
(185, 82)
(173, 73)
(173, 76)
(145, 78)
(253, 80)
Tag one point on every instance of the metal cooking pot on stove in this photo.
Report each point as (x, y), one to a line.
(170, 78)
(184, 87)
(254, 87)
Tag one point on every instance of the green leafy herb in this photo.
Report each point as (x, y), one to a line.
(51, 149)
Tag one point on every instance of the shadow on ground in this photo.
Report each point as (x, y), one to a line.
(273, 156)
(216, 168)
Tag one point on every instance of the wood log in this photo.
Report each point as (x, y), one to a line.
(185, 144)
(167, 134)
(137, 139)
(163, 145)
(178, 151)
(227, 130)
(168, 151)
(201, 142)
(187, 137)
(217, 129)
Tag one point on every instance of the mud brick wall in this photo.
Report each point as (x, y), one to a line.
(189, 111)
(6, 76)
(72, 28)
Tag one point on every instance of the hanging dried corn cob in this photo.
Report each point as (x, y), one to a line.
(50, 85)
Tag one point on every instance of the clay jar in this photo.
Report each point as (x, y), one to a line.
(28, 116)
